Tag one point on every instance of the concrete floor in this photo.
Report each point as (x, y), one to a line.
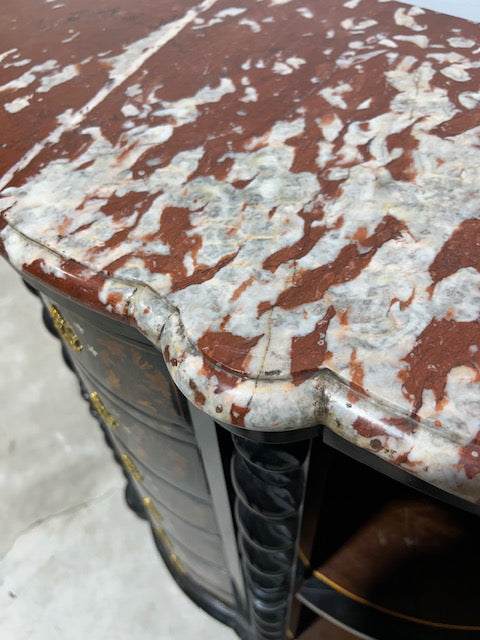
(75, 562)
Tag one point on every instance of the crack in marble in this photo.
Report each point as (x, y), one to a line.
(351, 204)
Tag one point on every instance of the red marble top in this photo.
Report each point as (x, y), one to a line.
(283, 195)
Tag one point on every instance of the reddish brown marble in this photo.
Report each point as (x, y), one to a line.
(283, 197)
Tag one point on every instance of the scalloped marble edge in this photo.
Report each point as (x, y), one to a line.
(271, 404)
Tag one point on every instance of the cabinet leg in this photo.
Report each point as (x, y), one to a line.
(269, 485)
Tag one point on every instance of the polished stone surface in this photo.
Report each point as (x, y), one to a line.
(284, 197)
(75, 562)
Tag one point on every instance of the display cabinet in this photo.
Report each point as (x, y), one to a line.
(255, 231)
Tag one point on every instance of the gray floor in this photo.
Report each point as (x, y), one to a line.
(75, 562)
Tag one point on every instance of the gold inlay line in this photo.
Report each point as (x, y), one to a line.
(177, 563)
(130, 467)
(303, 558)
(102, 411)
(165, 540)
(152, 509)
(172, 556)
(63, 329)
(353, 596)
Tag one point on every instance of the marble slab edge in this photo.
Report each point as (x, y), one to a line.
(265, 403)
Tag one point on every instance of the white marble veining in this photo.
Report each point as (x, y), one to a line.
(294, 225)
